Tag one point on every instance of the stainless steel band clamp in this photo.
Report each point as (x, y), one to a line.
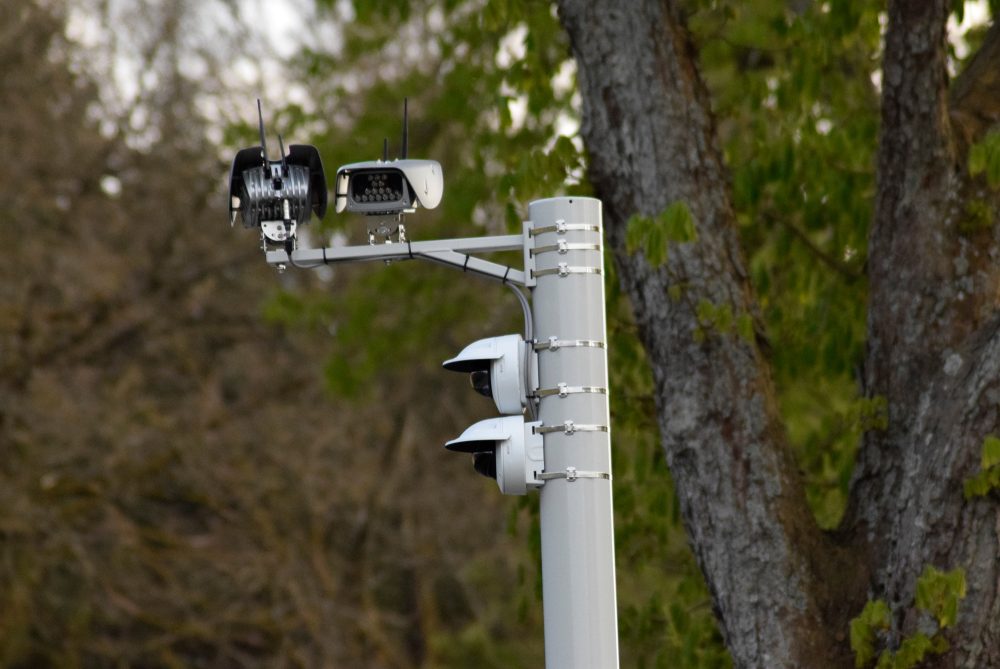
(554, 344)
(565, 270)
(562, 390)
(563, 247)
(562, 227)
(569, 427)
(572, 473)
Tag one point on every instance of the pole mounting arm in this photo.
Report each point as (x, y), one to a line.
(452, 252)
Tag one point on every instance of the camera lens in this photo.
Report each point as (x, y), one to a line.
(485, 464)
(481, 382)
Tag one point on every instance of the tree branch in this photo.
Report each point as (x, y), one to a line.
(845, 270)
(975, 94)
(920, 305)
(932, 297)
(930, 521)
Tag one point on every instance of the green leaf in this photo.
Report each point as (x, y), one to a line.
(912, 651)
(705, 312)
(976, 486)
(977, 158)
(988, 479)
(657, 245)
(984, 156)
(636, 232)
(939, 593)
(978, 216)
(678, 223)
(644, 234)
(991, 452)
(744, 326)
(653, 236)
(874, 617)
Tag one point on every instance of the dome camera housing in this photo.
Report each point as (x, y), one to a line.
(499, 367)
(507, 449)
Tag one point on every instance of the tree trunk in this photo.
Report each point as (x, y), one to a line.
(784, 590)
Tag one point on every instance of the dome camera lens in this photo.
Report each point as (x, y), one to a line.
(481, 382)
(485, 463)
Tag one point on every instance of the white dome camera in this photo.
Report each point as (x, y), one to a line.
(497, 369)
(506, 449)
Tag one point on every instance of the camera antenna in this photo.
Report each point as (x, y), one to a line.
(385, 149)
(281, 147)
(263, 138)
(405, 128)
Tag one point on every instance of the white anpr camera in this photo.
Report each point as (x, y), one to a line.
(506, 449)
(387, 188)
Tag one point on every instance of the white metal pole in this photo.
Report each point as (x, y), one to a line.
(578, 559)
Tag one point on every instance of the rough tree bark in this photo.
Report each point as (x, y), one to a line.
(784, 590)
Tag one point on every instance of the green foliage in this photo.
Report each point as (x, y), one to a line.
(830, 439)
(984, 158)
(988, 477)
(719, 319)
(982, 483)
(873, 619)
(800, 128)
(912, 652)
(653, 235)
(991, 452)
(938, 593)
(978, 216)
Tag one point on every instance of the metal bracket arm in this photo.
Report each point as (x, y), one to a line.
(452, 252)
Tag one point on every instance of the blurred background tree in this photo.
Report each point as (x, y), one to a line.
(207, 464)
(178, 488)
